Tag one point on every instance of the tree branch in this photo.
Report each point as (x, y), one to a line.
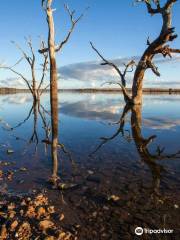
(25, 120)
(45, 63)
(174, 50)
(20, 75)
(127, 66)
(107, 62)
(120, 129)
(28, 59)
(122, 75)
(29, 42)
(153, 68)
(44, 89)
(73, 24)
(166, 51)
(150, 9)
(169, 4)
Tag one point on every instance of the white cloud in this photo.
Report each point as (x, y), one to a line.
(92, 74)
(12, 82)
(88, 72)
(17, 99)
(91, 71)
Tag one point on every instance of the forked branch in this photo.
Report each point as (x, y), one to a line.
(74, 21)
(119, 131)
(157, 9)
(122, 75)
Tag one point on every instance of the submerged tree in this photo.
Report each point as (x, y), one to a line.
(35, 86)
(52, 49)
(154, 159)
(158, 46)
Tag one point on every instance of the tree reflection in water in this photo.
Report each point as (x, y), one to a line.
(142, 145)
(36, 112)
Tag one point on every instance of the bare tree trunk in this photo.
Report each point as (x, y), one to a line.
(52, 49)
(34, 87)
(137, 88)
(156, 47)
(53, 91)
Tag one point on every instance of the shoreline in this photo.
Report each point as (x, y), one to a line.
(95, 90)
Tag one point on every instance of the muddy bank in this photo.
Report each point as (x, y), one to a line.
(90, 204)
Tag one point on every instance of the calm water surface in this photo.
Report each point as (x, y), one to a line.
(87, 125)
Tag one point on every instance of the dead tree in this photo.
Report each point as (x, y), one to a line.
(158, 46)
(35, 87)
(52, 49)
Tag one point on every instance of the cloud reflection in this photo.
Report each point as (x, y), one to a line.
(100, 108)
(17, 99)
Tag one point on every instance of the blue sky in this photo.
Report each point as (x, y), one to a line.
(117, 27)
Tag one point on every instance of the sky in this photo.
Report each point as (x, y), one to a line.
(118, 28)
